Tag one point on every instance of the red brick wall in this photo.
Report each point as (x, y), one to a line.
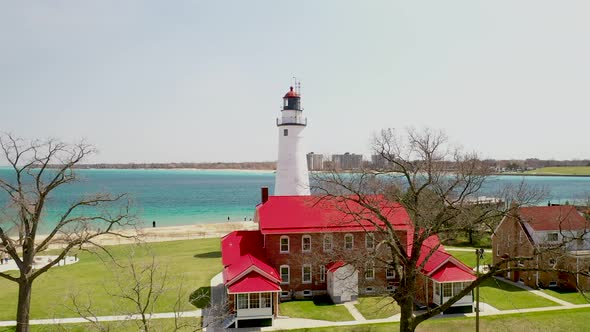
(296, 258)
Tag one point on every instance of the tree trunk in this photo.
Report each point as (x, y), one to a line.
(24, 305)
(406, 323)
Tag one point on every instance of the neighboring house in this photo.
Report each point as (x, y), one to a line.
(307, 247)
(538, 229)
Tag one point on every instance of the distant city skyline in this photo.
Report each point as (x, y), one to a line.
(203, 81)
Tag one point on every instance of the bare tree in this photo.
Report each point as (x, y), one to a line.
(39, 169)
(438, 185)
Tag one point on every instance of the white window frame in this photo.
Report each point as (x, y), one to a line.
(303, 243)
(554, 262)
(265, 300)
(552, 234)
(331, 242)
(351, 237)
(303, 267)
(283, 282)
(284, 237)
(369, 267)
(239, 301)
(254, 298)
(387, 274)
(322, 273)
(367, 237)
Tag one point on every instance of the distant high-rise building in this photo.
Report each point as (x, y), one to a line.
(347, 161)
(378, 161)
(315, 161)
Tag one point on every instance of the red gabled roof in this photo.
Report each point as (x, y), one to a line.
(335, 266)
(253, 283)
(450, 272)
(553, 218)
(242, 255)
(442, 266)
(316, 214)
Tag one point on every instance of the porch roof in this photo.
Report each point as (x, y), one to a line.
(253, 283)
(452, 273)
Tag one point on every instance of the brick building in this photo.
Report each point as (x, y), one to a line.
(306, 247)
(558, 233)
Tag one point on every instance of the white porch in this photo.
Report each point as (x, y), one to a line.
(444, 291)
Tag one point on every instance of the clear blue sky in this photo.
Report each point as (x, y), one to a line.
(148, 81)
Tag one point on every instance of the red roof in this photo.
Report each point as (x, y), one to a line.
(253, 283)
(549, 218)
(243, 257)
(442, 266)
(291, 94)
(335, 266)
(450, 272)
(316, 214)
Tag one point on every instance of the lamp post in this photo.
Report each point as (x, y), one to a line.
(478, 255)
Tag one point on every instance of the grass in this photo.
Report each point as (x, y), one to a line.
(549, 321)
(563, 170)
(504, 296)
(568, 296)
(320, 308)
(377, 307)
(468, 257)
(189, 324)
(191, 263)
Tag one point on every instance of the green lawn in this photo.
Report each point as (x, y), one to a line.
(468, 257)
(504, 296)
(319, 310)
(160, 325)
(377, 307)
(564, 170)
(192, 263)
(571, 297)
(559, 321)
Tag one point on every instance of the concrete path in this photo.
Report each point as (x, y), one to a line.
(536, 292)
(216, 313)
(354, 311)
(40, 261)
(53, 321)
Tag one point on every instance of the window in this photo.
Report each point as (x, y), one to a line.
(306, 274)
(284, 244)
(520, 262)
(254, 300)
(265, 300)
(285, 132)
(285, 294)
(447, 290)
(457, 288)
(369, 270)
(552, 262)
(390, 287)
(306, 243)
(327, 242)
(242, 301)
(369, 290)
(322, 273)
(390, 273)
(348, 241)
(285, 274)
(369, 241)
(552, 237)
(307, 292)
(498, 250)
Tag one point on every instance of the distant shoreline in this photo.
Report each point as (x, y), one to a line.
(525, 174)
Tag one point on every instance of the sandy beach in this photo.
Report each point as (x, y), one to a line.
(173, 233)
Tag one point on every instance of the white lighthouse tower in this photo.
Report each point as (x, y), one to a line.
(292, 178)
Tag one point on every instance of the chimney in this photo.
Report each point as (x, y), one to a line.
(264, 193)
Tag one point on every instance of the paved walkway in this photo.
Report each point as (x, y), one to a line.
(194, 313)
(354, 311)
(537, 292)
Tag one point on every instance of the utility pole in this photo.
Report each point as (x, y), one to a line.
(478, 254)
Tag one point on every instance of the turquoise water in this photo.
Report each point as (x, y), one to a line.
(180, 197)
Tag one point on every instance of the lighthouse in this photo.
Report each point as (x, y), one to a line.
(292, 177)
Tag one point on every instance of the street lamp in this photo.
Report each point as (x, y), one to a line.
(478, 255)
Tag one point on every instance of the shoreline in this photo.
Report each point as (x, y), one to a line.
(169, 233)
